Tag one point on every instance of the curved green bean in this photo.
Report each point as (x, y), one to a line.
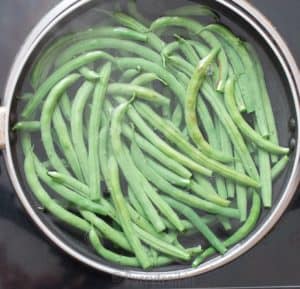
(46, 116)
(65, 142)
(241, 233)
(192, 92)
(77, 130)
(57, 75)
(253, 83)
(196, 28)
(279, 167)
(198, 223)
(120, 259)
(89, 74)
(94, 129)
(245, 128)
(42, 196)
(138, 91)
(146, 65)
(107, 43)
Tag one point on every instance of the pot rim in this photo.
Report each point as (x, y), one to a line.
(263, 26)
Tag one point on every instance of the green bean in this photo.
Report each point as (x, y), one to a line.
(153, 40)
(120, 259)
(192, 92)
(168, 174)
(192, 10)
(236, 138)
(107, 43)
(57, 76)
(204, 183)
(115, 236)
(198, 223)
(89, 74)
(133, 11)
(188, 50)
(146, 65)
(109, 255)
(220, 181)
(46, 60)
(232, 131)
(241, 233)
(212, 130)
(195, 250)
(129, 74)
(42, 196)
(123, 214)
(65, 142)
(129, 169)
(134, 202)
(264, 166)
(162, 246)
(213, 197)
(79, 187)
(241, 192)
(265, 99)
(252, 75)
(238, 95)
(180, 64)
(129, 22)
(225, 223)
(265, 177)
(93, 131)
(69, 182)
(245, 127)
(177, 139)
(227, 148)
(77, 134)
(195, 27)
(145, 78)
(46, 116)
(27, 126)
(165, 209)
(180, 195)
(163, 146)
(279, 167)
(140, 221)
(65, 105)
(203, 51)
(70, 195)
(139, 91)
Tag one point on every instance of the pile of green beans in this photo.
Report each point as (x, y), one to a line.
(138, 138)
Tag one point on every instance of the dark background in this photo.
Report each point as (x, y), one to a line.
(29, 261)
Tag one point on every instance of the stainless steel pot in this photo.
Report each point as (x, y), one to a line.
(239, 9)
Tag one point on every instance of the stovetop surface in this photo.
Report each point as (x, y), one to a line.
(29, 261)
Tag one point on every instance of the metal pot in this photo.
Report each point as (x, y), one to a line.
(244, 14)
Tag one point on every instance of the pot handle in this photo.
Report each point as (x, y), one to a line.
(3, 112)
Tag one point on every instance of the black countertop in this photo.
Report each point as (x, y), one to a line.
(29, 261)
